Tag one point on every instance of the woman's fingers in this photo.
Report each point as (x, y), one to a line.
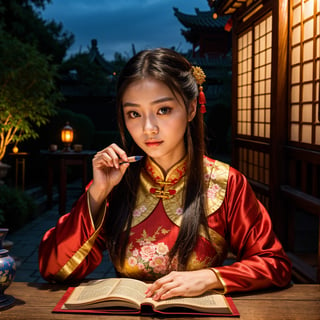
(110, 156)
(183, 283)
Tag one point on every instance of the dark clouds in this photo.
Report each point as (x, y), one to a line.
(117, 24)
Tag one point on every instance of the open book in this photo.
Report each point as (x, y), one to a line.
(124, 295)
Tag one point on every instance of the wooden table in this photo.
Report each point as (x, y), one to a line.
(61, 160)
(20, 168)
(36, 301)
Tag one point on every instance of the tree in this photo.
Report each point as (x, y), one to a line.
(27, 91)
(22, 19)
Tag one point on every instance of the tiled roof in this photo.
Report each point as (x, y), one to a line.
(202, 20)
(229, 7)
(95, 55)
(219, 61)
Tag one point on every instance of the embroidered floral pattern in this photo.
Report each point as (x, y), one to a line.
(213, 190)
(179, 211)
(149, 257)
(210, 176)
(139, 211)
(173, 176)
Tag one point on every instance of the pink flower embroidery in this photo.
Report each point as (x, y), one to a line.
(138, 212)
(147, 252)
(158, 263)
(162, 248)
(179, 211)
(141, 266)
(206, 177)
(135, 252)
(132, 261)
(213, 191)
(213, 175)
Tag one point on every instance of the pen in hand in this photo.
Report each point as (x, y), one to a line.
(132, 159)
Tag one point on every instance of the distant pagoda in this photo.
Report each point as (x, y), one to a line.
(211, 50)
(206, 34)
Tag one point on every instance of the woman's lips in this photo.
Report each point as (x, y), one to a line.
(153, 143)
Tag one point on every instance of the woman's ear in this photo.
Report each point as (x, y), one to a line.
(192, 110)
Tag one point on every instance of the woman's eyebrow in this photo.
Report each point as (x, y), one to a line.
(160, 100)
(164, 99)
(130, 104)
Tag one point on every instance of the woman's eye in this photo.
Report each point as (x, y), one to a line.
(133, 114)
(164, 110)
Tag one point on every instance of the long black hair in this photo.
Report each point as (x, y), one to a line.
(175, 71)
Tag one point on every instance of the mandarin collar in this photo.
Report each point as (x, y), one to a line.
(175, 173)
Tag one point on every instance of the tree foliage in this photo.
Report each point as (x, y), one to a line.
(22, 19)
(27, 91)
(30, 51)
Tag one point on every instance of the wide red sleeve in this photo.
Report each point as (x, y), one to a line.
(261, 261)
(73, 248)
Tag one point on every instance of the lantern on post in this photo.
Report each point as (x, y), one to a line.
(67, 137)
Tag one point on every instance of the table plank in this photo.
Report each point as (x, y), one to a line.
(36, 301)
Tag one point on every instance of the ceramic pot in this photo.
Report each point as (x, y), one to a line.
(7, 272)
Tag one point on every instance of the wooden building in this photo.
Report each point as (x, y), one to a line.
(276, 116)
(207, 35)
(211, 50)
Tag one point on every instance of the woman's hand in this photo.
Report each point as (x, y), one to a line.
(183, 283)
(107, 173)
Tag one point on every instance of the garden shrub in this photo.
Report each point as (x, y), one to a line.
(16, 207)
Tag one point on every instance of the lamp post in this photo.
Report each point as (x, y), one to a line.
(67, 137)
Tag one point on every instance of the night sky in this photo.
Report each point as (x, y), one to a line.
(117, 24)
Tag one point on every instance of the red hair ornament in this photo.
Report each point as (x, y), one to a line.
(200, 77)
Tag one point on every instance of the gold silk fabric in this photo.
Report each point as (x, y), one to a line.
(158, 215)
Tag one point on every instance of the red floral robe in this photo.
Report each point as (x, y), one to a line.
(237, 223)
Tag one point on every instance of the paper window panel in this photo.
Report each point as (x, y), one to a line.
(294, 132)
(306, 133)
(262, 77)
(295, 55)
(308, 30)
(318, 135)
(295, 113)
(296, 35)
(304, 72)
(295, 94)
(307, 92)
(295, 74)
(308, 50)
(244, 84)
(307, 74)
(307, 115)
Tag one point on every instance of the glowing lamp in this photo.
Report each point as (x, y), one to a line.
(15, 149)
(67, 136)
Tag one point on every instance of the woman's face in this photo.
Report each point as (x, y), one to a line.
(157, 120)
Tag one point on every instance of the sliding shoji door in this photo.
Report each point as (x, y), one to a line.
(253, 105)
(302, 185)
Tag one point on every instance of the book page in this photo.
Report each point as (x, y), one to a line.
(208, 302)
(92, 291)
(130, 289)
(115, 289)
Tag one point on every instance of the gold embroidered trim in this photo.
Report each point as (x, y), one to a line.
(225, 289)
(146, 201)
(81, 254)
(216, 177)
(77, 258)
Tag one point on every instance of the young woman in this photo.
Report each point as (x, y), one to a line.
(172, 217)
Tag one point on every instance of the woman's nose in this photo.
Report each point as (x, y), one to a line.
(150, 125)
